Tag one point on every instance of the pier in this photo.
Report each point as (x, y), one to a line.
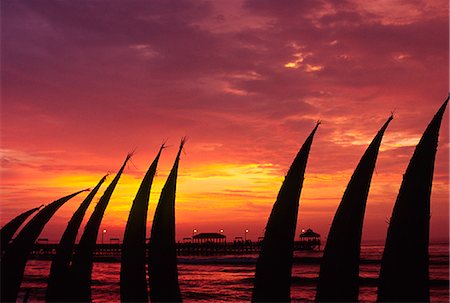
(112, 251)
(202, 244)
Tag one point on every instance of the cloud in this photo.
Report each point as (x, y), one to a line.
(245, 80)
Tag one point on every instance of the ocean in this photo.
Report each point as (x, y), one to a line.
(230, 278)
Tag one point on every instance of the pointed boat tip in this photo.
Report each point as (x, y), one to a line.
(163, 145)
(158, 155)
(82, 191)
(441, 109)
(40, 206)
(318, 122)
(181, 148)
(183, 142)
(103, 179)
(391, 117)
(446, 101)
(131, 154)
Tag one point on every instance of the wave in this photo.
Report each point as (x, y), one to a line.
(218, 260)
(440, 259)
(316, 260)
(363, 281)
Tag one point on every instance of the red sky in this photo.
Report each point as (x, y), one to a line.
(86, 82)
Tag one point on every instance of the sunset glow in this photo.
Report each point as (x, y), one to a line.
(245, 81)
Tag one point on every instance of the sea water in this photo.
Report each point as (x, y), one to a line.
(230, 278)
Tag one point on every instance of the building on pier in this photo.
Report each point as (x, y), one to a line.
(309, 240)
(209, 238)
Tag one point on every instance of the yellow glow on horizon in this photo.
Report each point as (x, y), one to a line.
(234, 190)
(220, 187)
(219, 195)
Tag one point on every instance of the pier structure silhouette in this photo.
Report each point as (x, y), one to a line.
(45, 250)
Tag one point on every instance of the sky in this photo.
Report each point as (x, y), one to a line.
(85, 82)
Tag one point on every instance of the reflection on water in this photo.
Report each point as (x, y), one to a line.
(230, 278)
